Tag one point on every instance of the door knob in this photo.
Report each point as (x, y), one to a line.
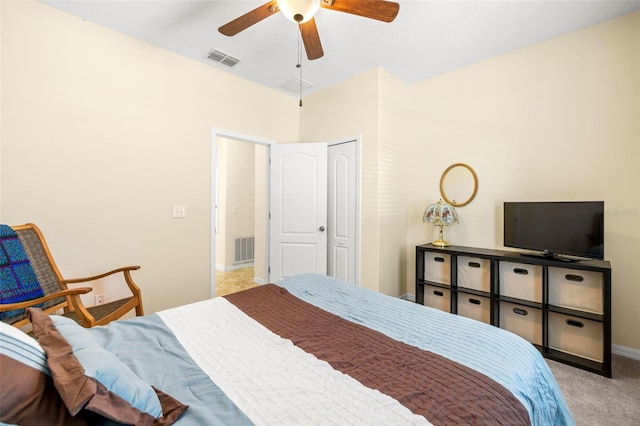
(321, 229)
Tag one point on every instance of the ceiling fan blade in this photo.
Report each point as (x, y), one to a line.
(311, 39)
(248, 19)
(380, 10)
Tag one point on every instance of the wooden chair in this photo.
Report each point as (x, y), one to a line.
(57, 296)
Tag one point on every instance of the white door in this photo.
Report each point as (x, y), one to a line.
(298, 201)
(342, 229)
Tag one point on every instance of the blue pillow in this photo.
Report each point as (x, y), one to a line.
(106, 368)
(88, 377)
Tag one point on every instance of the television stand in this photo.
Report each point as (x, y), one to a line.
(563, 308)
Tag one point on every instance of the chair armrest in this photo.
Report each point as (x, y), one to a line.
(87, 319)
(97, 277)
(63, 293)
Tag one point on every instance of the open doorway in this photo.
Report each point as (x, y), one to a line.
(239, 185)
(345, 209)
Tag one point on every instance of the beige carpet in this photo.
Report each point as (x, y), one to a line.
(598, 401)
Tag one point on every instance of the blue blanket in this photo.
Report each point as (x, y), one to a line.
(150, 349)
(18, 281)
(497, 353)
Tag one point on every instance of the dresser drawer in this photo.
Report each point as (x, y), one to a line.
(575, 289)
(576, 336)
(521, 281)
(436, 297)
(475, 307)
(474, 273)
(437, 267)
(524, 321)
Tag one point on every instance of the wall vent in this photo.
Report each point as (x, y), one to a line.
(244, 247)
(223, 58)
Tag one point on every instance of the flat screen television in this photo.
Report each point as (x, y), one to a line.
(556, 228)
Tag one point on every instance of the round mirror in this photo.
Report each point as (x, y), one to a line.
(459, 184)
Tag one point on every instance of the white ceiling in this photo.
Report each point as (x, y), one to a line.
(426, 39)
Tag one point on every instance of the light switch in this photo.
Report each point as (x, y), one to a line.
(179, 211)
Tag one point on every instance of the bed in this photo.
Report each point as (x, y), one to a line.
(307, 350)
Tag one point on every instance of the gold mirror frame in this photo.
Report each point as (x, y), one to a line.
(475, 185)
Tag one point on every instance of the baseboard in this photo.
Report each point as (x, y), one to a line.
(626, 352)
(234, 267)
(409, 297)
(615, 349)
(259, 281)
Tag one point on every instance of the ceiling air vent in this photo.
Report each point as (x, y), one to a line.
(223, 58)
(293, 85)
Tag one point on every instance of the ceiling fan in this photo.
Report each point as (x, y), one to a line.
(302, 12)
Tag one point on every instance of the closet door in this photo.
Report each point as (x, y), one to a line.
(298, 209)
(342, 215)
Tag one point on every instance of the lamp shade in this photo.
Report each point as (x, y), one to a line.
(440, 214)
(299, 11)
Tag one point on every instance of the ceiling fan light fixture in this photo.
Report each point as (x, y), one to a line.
(299, 11)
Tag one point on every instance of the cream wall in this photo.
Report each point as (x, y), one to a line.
(559, 120)
(102, 134)
(394, 148)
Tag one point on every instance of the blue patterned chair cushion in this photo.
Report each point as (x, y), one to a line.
(18, 281)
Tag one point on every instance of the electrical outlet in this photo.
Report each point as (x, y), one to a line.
(100, 299)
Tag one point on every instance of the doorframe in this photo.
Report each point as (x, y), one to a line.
(227, 134)
(356, 139)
